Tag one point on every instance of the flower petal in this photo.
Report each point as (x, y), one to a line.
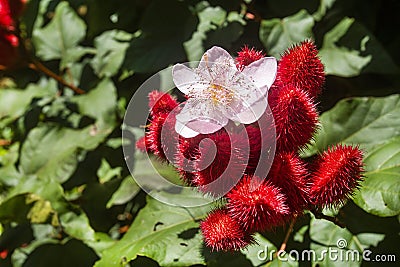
(252, 113)
(186, 80)
(200, 115)
(215, 54)
(215, 65)
(262, 72)
(184, 131)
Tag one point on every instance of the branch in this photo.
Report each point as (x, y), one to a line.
(4, 142)
(288, 233)
(335, 220)
(36, 65)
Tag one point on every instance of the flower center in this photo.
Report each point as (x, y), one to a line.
(220, 94)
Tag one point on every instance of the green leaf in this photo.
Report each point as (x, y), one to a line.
(27, 208)
(210, 18)
(366, 121)
(344, 245)
(380, 192)
(264, 253)
(324, 6)
(167, 234)
(77, 226)
(111, 47)
(64, 144)
(279, 34)
(100, 104)
(61, 143)
(59, 38)
(14, 103)
(158, 43)
(126, 191)
(106, 173)
(342, 61)
(374, 125)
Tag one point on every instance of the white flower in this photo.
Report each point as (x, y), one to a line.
(218, 92)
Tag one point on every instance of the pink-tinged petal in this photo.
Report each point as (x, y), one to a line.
(215, 54)
(262, 72)
(186, 80)
(184, 131)
(252, 113)
(200, 115)
(215, 65)
(246, 93)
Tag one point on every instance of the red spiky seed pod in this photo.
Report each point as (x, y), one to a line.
(289, 173)
(160, 102)
(257, 204)
(222, 162)
(295, 117)
(300, 66)
(221, 232)
(262, 139)
(337, 173)
(187, 153)
(246, 56)
(6, 20)
(161, 138)
(141, 144)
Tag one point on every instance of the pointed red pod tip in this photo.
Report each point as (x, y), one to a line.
(337, 173)
(221, 232)
(290, 174)
(160, 102)
(247, 56)
(295, 115)
(301, 67)
(257, 204)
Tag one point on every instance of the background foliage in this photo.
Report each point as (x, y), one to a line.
(66, 196)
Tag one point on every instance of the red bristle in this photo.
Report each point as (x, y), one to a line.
(246, 56)
(160, 102)
(161, 137)
(187, 153)
(261, 138)
(300, 66)
(295, 117)
(289, 173)
(141, 144)
(338, 172)
(221, 232)
(257, 204)
(6, 20)
(222, 162)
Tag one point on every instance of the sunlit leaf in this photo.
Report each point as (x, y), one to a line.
(165, 233)
(279, 34)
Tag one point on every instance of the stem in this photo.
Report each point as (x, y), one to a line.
(36, 65)
(288, 233)
(320, 215)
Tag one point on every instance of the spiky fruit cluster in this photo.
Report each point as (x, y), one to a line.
(10, 11)
(227, 162)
